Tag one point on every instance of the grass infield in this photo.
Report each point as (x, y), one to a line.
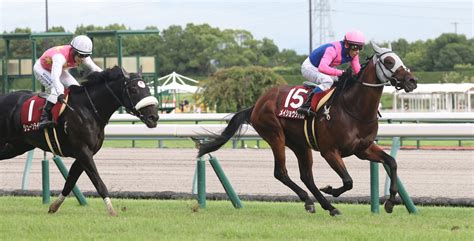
(25, 218)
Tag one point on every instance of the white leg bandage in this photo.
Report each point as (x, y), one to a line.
(108, 203)
(61, 198)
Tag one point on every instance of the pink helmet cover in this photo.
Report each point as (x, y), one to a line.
(355, 37)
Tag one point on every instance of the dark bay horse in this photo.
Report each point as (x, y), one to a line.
(351, 130)
(80, 129)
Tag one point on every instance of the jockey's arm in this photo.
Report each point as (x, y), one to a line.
(91, 65)
(355, 64)
(56, 70)
(326, 60)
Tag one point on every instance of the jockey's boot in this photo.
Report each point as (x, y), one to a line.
(46, 119)
(305, 109)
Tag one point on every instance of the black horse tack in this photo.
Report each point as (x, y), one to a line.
(80, 133)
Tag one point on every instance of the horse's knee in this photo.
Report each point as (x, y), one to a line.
(390, 162)
(348, 184)
(305, 178)
(279, 175)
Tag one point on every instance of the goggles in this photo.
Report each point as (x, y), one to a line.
(82, 56)
(355, 47)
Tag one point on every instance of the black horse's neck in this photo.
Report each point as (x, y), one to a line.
(360, 101)
(109, 93)
(103, 100)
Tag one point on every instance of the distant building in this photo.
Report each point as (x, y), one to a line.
(433, 98)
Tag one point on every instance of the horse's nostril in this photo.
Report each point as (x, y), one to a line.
(153, 118)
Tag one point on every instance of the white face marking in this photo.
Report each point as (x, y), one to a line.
(141, 84)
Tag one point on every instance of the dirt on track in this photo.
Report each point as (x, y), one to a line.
(425, 173)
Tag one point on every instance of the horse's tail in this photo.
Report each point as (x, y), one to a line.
(235, 124)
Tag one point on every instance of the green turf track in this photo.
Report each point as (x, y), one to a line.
(25, 218)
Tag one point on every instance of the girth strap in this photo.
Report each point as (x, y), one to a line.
(310, 133)
(53, 143)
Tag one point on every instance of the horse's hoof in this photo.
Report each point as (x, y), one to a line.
(113, 213)
(335, 212)
(327, 189)
(310, 208)
(53, 208)
(388, 206)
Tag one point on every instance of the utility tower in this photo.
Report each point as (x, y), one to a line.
(320, 30)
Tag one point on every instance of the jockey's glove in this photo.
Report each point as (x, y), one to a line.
(346, 74)
(61, 98)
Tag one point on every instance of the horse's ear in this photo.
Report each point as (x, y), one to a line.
(127, 75)
(140, 70)
(376, 48)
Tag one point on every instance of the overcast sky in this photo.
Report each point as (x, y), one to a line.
(284, 21)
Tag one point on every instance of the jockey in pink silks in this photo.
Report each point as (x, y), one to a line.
(52, 67)
(319, 66)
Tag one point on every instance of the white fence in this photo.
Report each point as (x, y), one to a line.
(140, 131)
(457, 126)
(452, 117)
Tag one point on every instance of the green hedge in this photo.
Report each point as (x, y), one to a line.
(438, 76)
(18, 83)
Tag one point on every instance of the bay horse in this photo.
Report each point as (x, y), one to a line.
(80, 128)
(347, 127)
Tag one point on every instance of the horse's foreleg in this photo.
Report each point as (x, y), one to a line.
(305, 164)
(281, 173)
(74, 173)
(337, 164)
(87, 163)
(376, 154)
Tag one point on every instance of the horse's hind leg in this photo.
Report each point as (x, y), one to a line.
(281, 173)
(305, 163)
(375, 154)
(337, 164)
(12, 149)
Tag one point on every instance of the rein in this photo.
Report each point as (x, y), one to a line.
(344, 105)
(133, 111)
(96, 112)
(381, 84)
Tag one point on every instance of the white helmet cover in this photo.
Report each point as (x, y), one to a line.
(82, 44)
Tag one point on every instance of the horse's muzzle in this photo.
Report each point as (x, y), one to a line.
(149, 116)
(151, 121)
(410, 84)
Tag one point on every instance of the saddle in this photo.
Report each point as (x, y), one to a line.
(32, 108)
(297, 96)
(320, 98)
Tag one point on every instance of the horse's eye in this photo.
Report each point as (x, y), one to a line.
(389, 62)
(133, 90)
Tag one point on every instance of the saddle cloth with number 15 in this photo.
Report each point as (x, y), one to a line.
(296, 97)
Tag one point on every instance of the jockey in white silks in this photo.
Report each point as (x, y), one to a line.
(52, 67)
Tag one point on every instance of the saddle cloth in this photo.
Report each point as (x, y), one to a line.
(296, 96)
(32, 108)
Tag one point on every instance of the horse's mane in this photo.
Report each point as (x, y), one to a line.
(97, 78)
(349, 80)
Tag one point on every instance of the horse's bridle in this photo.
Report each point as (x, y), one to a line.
(134, 111)
(381, 71)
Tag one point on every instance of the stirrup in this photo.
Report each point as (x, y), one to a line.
(46, 124)
(49, 124)
(310, 84)
(304, 111)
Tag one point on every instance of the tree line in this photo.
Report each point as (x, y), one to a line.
(203, 49)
